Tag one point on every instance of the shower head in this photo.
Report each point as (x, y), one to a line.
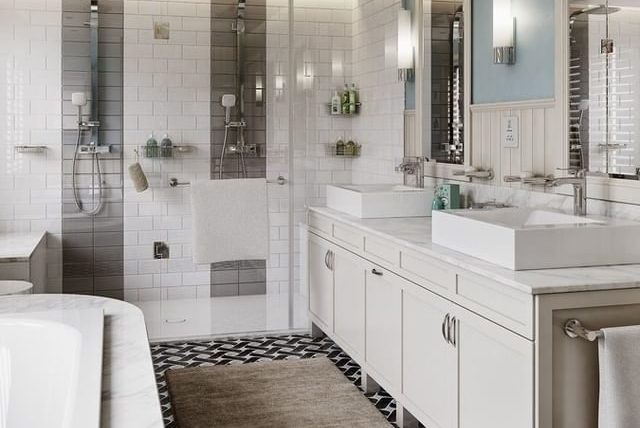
(596, 10)
(79, 99)
(228, 101)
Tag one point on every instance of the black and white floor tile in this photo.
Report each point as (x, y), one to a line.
(247, 350)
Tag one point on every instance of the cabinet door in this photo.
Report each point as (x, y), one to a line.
(430, 363)
(349, 282)
(384, 327)
(496, 375)
(321, 282)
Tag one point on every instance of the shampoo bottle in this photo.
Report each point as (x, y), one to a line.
(335, 104)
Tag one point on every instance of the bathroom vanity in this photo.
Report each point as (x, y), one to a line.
(461, 342)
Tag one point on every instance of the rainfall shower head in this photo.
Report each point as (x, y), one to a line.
(596, 10)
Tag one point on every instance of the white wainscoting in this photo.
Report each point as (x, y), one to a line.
(540, 149)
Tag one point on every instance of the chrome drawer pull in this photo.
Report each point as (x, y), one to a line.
(445, 328)
(376, 272)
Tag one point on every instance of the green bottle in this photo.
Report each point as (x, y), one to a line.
(151, 149)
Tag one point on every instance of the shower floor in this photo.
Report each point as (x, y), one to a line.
(168, 320)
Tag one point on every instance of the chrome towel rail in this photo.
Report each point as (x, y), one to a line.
(574, 328)
(173, 182)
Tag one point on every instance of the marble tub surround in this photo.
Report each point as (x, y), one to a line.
(19, 247)
(129, 392)
(415, 234)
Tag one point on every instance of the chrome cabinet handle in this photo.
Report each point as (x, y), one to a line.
(376, 272)
(445, 328)
(326, 259)
(332, 260)
(453, 337)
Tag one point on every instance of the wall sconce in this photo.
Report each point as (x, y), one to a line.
(504, 24)
(405, 46)
(259, 91)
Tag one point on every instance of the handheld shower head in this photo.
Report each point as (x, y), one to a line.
(228, 101)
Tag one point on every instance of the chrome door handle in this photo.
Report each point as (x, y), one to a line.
(452, 327)
(445, 328)
(376, 272)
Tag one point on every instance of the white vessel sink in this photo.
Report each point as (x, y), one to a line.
(524, 238)
(380, 200)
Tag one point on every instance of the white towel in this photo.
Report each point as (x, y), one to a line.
(230, 220)
(619, 359)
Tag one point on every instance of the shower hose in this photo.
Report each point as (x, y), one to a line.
(74, 183)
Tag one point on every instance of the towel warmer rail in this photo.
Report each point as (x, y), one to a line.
(574, 329)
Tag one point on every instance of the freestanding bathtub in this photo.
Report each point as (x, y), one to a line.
(51, 369)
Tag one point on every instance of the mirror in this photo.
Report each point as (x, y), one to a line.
(604, 87)
(442, 81)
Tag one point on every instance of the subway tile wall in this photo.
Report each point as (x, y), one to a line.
(380, 126)
(167, 91)
(92, 245)
(30, 108)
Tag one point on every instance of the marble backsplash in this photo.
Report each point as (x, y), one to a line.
(473, 192)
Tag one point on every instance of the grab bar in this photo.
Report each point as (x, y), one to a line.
(574, 328)
(173, 182)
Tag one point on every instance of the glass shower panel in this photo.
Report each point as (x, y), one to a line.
(249, 139)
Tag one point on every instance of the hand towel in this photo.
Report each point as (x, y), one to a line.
(230, 220)
(619, 360)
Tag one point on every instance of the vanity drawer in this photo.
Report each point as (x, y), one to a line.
(349, 236)
(507, 306)
(420, 267)
(321, 224)
(382, 250)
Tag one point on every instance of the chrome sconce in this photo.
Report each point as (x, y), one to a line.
(405, 46)
(504, 25)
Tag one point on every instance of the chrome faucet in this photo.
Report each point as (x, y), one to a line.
(413, 166)
(579, 182)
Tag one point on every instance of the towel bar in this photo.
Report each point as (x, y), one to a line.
(173, 182)
(574, 328)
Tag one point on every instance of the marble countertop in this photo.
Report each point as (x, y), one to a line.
(415, 233)
(18, 247)
(129, 391)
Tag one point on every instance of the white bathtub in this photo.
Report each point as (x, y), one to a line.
(51, 369)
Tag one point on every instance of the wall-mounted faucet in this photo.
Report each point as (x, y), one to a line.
(578, 180)
(413, 166)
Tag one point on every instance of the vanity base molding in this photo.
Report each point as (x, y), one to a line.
(456, 348)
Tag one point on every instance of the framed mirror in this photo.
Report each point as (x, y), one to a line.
(602, 75)
(442, 86)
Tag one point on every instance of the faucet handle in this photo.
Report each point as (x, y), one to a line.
(576, 172)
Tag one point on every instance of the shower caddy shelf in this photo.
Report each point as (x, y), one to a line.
(30, 149)
(333, 151)
(158, 152)
(356, 113)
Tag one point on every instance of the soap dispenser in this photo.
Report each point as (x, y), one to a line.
(336, 107)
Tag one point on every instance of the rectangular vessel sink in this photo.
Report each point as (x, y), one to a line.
(380, 200)
(524, 238)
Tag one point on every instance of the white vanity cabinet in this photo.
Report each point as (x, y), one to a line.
(321, 282)
(383, 327)
(448, 366)
(429, 359)
(349, 289)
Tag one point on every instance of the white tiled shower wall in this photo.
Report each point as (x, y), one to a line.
(167, 91)
(30, 108)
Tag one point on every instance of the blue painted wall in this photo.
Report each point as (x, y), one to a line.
(532, 77)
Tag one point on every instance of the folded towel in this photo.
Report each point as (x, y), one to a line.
(230, 220)
(618, 352)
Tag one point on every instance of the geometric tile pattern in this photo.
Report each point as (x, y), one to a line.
(248, 350)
